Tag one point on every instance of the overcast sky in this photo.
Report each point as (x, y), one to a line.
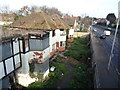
(93, 8)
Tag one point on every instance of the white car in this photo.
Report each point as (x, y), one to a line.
(107, 33)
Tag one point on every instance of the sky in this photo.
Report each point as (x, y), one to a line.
(92, 8)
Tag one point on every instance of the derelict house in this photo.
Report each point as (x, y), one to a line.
(21, 52)
(40, 37)
(38, 45)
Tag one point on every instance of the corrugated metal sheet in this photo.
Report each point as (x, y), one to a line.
(6, 49)
(42, 68)
(37, 45)
(45, 43)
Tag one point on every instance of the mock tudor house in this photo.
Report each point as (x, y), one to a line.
(41, 36)
(14, 56)
(10, 60)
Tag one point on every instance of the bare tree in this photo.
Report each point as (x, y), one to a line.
(50, 11)
(34, 8)
(4, 9)
(85, 22)
(25, 10)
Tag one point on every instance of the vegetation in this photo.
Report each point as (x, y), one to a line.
(111, 18)
(83, 72)
(79, 49)
(53, 78)
(82, 77)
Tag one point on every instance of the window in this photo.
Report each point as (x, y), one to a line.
(71, 36)
(6, 50)
(61, 43)
(53, 33)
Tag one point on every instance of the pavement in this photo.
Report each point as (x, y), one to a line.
(65, 81)
(104, 78)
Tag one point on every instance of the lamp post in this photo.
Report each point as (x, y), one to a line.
(116, 30)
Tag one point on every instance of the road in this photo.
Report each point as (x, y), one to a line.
(102, 48)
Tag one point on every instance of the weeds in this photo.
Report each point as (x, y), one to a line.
(79, 49)
(54, 77)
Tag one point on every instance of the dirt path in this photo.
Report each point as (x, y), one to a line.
(64, 82)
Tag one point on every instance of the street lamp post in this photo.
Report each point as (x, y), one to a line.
(111, 54)
(116, 30)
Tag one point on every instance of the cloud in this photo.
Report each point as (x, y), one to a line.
(98, 8)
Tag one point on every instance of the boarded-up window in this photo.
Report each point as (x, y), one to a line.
(0, 52)
(2, 74)
(45, 43)
(37, 44)
(42, 68)
(6, 50)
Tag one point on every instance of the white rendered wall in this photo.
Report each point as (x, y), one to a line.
(25, 64)
(71, 32)
(46, 52)
(52, 40)
(63, 38)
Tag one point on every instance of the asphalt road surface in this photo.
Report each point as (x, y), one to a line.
(102, 49)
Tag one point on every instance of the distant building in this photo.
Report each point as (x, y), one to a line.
(6, 19)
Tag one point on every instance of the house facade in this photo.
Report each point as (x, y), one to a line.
(17, 53)
(37, 51)
(57, 40)
(34, 47)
